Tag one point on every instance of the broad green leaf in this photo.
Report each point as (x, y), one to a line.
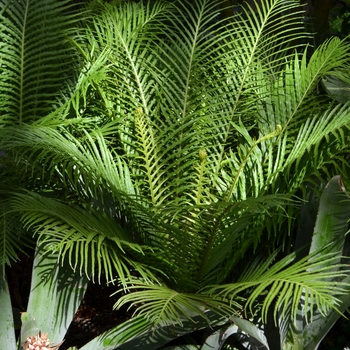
(331, 228)
(332, 218)
(55, 295)
(329, 235)
(315, 331)
(251, 329)
(216, 340)
(7, 326)
(337, 88)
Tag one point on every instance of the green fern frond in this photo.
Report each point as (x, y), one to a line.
(12, 236)
(179, 141)
(91, 242)
(35, 58)
(229, 234)
(122, 30)
(85, 162)
(281, 284)
(164, 306)
(149, 155)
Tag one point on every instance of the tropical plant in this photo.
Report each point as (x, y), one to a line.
(168, 155)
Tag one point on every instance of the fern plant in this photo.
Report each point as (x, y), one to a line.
(170, 156)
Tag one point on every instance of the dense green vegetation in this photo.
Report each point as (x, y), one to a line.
(183, 155)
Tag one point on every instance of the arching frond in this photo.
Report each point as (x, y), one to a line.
(125, 31)
(12, 236)
(293, 93)
(35, 58)
(85, 161)
(284, 286)
(91, 241)
(164, 306)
